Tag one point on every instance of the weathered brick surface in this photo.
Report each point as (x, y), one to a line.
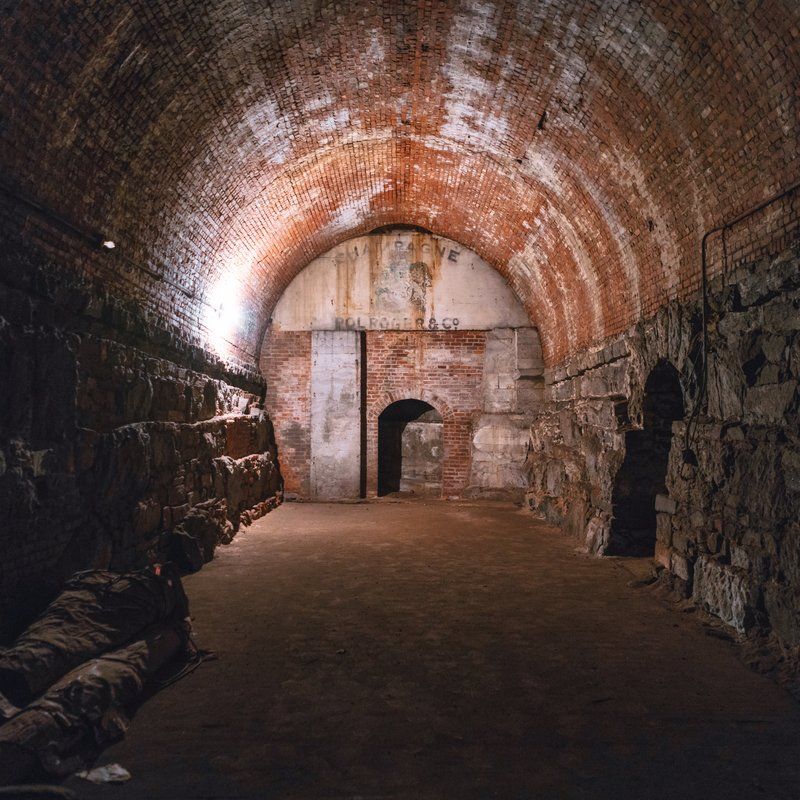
(581, 147)
(443, 368)
(286, 361)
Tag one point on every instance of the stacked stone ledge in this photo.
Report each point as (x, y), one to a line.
(112, 432)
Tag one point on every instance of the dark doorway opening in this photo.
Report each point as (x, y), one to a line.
(410, 448)
(643, 473)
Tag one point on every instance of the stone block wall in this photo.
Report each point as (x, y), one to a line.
(727, 526)
(421, 448)
(513, 389)
(112, 430)
(336, 411)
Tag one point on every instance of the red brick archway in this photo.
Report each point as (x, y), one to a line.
(456, 430)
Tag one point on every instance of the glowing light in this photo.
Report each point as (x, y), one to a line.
(108, 244)
(223, 317)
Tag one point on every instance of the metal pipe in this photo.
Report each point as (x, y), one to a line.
(704, 256)
(702, 394)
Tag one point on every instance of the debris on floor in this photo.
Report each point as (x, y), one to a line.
(108, 773)
(73, 677)
(96, 612)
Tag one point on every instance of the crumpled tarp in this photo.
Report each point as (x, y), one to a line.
(96, 612)
(87, 707)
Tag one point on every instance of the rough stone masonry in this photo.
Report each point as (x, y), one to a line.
(114, 435)
(727, 526)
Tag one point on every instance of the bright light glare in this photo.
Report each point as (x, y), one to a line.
(223, 315)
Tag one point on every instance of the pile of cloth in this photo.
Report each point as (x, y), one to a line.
(70, 681)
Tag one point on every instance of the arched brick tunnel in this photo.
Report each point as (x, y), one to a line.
(581, 151)
(178, 182)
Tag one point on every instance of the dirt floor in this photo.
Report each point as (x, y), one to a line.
(447, 650)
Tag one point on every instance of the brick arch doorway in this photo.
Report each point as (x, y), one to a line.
(456, 436)
(410, 448)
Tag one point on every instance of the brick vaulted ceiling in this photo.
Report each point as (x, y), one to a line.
(582, 148)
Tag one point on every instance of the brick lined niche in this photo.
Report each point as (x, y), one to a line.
(444, 369)
(580, 147)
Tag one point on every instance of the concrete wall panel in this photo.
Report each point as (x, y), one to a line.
(335, 415)
(401, 280)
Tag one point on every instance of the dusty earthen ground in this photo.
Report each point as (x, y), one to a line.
(448, 650)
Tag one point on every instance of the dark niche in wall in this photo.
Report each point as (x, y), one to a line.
(643, 473)
(410, 448)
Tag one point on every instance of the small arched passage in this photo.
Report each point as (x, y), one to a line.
(643, 473)
(410, 447)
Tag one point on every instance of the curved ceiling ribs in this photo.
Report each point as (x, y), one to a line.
(579, 147)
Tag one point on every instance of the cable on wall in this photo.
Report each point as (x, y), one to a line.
(93, 240)
(97, 241)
